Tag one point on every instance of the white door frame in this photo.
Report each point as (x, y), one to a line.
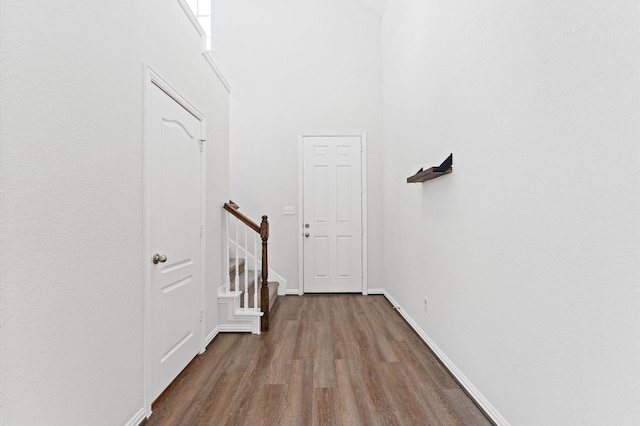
(363, 201)
(151, 77)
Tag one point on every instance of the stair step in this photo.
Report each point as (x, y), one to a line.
(273, 293)
(250, 277)
(232, 268)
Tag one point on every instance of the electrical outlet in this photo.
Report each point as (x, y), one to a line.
(289, 210)
(426, 302)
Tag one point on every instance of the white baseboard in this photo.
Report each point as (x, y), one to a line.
(237, 328)
(489, 409)
(136, 419)
(292, 292)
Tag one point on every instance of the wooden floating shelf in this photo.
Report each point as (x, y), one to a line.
(428, 174)
(433, 172)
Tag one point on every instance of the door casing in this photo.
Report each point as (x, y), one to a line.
(363, 200)
(152, 78)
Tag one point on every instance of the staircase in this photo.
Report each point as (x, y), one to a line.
(247, 278)
(246, 299)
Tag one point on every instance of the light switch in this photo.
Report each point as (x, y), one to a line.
(289, 210)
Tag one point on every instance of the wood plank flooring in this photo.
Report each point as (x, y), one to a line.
(327, 360)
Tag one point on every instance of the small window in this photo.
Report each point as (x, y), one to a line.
(202, 10)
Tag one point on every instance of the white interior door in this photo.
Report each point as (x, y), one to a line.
(332, 216)
(175, 172)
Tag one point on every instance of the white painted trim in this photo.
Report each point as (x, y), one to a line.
(169, 89)
(363, 201)
(194, 20)
(146, 243)
(203, 235)
(292, 292)
(229, 294)
(483, 402)
(209, 58)
(236, 319)
(364, 213)
(151, 77)
(203, 37)
(237, 328)
(136, 419)
(300, 216)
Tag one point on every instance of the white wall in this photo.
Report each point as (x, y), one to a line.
(529, 251)
(294, 67)
(217, 194)
(71, 213)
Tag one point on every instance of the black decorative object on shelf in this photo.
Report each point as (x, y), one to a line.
(433, 172)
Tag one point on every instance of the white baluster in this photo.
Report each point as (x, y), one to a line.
(227, 257)
(255, 274)
(236, 279)
(246, 270)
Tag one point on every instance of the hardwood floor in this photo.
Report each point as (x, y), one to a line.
(327, 360)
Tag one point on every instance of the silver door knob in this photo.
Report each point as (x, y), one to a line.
(159, 258)
(306, 234)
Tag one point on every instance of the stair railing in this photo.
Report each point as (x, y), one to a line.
(238, 228)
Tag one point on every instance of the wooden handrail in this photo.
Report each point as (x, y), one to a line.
(233, 209)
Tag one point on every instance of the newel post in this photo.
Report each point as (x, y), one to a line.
(264, 289)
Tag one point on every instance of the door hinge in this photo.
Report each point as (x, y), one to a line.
(201, 315)
(201, 231)
(202, 142)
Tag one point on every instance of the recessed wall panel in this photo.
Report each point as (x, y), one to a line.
(343, 252)
(179, 219)
(343, 194)
(321, 260)
(320, 151)
(320, 194)
(173, 299)
(343, 150)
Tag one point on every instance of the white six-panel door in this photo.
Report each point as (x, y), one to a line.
(175, 173)
(332, 214)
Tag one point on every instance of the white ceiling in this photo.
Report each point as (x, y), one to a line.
(377, 6)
